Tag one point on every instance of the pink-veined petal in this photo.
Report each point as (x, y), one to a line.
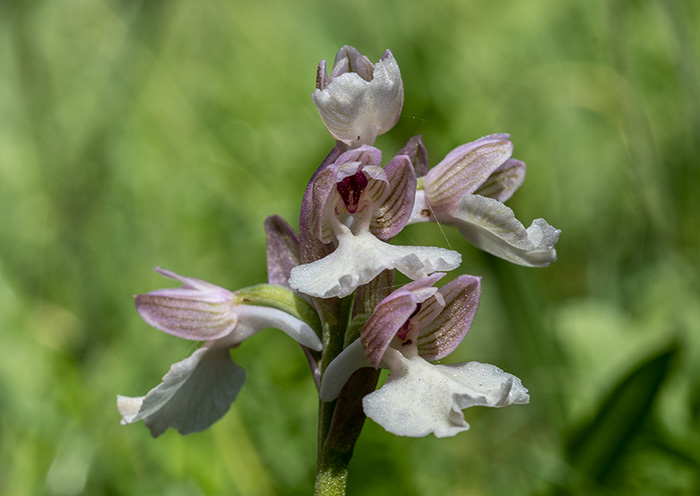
(390, 318)
(394, 209)
(417, 154)
(504, 181)
(387, 319)
(310, 246)
(447, 330)
(282, 250)
(465, 169)
(197, 310)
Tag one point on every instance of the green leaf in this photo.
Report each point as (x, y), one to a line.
(596, 450)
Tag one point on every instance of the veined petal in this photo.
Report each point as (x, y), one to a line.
(252, 319)
(391, 316)
(340, 369)
(445, 332)
(282, 250)
(429, 310)
(394, 209)
(366, 155)
(490, 225)
(322, 75)
(197, 310)
(386, 320)
(465, 169)
(323, 190)
(457, 154)
(504, 181)
(349, 59)
(375, 172)
(419, 398)
(369, 295)
(310, 246)
(360, 258)
(194, 394)
(417, 154)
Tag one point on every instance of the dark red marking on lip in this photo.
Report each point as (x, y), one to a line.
(403, 331)
(350, 189)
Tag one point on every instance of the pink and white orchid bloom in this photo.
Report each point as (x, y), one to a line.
(198, 391)
(414, 325)
(357, 205)
(359, 100)
(332, 285)
(467, 189)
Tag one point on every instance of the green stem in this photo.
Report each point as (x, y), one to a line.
(331, 480)
(340, 422)
(347, 419)
(331, 469)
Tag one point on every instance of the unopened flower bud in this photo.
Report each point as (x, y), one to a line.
(359, 100)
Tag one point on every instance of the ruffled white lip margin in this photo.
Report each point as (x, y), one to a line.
(195, 393)
(490, 225)
(419, 398)
(199, 390)
(360, 258)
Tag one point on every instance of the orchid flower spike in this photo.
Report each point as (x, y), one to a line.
(467, 189)
(357, 205)
(409, 328)
(359, 100)
(198, 391)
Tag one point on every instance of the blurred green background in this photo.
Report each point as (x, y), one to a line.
(136, 134)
